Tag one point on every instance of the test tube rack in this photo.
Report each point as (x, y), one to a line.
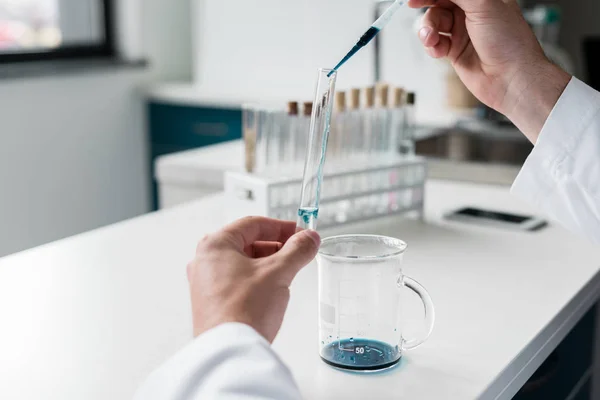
(357, 191)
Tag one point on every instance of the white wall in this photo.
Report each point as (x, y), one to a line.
(72, 156)
(73, 149)
(167, 38)
(272, 49)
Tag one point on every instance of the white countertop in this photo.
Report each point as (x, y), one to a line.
(89, 317)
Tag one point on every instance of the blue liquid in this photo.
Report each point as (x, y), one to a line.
(309, 216)
(360, 354)
(364, 40)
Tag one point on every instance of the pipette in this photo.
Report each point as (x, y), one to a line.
(371, 32)
(318, 135)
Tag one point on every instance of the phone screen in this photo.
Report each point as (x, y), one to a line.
(496, 216)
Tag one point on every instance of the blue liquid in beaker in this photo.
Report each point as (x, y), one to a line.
(360, 354)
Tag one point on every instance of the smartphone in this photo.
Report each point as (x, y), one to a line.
(498, 219)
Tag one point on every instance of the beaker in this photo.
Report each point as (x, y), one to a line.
(360, 302)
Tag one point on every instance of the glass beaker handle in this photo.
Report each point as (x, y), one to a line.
(429, 311)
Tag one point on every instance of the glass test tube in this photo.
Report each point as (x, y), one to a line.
(355, 144)
(383, 119)
(272, 135)
(407, 143)
(397, 124)
(262, 140)
(397, 127)
(339, 145)
(369, 118)
(292, 126)
(337, 126)
(283, 134)
(372, 133)
(355, 124)
(364, 146)
(320, 123)
(303, 132)
(250, 132)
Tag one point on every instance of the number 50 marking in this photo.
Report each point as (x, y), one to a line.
(360, 350)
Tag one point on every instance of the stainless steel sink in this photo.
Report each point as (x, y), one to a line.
(485, 156)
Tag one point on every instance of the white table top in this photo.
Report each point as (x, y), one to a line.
(89, 317)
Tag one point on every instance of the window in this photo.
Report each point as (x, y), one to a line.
(55, 29)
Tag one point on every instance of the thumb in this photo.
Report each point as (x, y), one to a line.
(296, 253)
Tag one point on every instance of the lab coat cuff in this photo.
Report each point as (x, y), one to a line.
(231, 331)
(560, 136)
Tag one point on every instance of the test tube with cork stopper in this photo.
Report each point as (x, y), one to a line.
(383, 118)
(369, 120)
(307, 108)
(338, 126)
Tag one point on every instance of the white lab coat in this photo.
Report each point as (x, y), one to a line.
(561, 177)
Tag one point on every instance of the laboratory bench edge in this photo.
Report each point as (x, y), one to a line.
(175, 127)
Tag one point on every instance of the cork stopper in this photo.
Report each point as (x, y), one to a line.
(308, 106)
(292, 108)
(370, 97)
(340, 101)
(383, 94)
(355, 99)
(410, 98)
(398, 97)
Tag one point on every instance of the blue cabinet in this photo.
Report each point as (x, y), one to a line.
(175, 127)
(568, 368)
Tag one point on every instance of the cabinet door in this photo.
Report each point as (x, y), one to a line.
(190, 127)
(564, 369)
(175, 128)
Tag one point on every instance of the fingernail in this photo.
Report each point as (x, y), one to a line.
(424, 33)
(314, 236)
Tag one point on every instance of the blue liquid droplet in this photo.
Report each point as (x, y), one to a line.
(352, 339)
(308, 214)
(395, 330)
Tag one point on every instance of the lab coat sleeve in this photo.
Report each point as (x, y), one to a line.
(561, 177)
(231, 361)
